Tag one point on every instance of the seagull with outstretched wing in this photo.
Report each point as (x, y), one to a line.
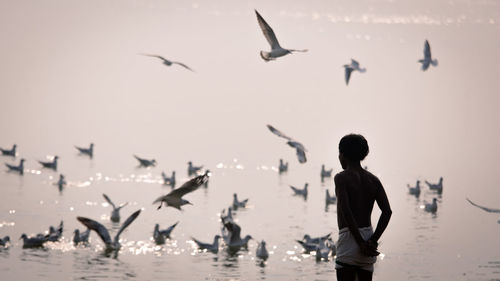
(169, 62)
(300, 149)
(427, 60)
(174, 198)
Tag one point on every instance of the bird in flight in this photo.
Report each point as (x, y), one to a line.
(276, 50)
(349, 68)
(169, 62)
(174, 197)
(427, 57)
(300, 149)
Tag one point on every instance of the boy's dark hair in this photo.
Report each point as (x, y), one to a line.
(354, 147)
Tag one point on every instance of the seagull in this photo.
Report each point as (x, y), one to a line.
(9, 152)
(50, 165)
(228, 217)
(115, 214)
(301, 192)
(168, 180)
(233, 239)
(111, 245)
(238, 204)
(276, 50)
(438, 186)
(330, 199)
(174, 198)
(4, 241)
(431, 207)
(19, 168)
(489, 210)
(81, 237)
(55, 234)
(323, 249)
(300, 149)
(160, 235)
(192, 170)
(414, 190)
(61, 182)
(349, 68)
(283, 166)
(145, 162)
(308, 247)
(214, 247)
(33, 242)
(88, 151)
(261, 252)
(325, 173)
(307, 238)
(427, 60)
(169, 62)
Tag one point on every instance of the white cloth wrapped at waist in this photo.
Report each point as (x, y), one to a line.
(348, 252)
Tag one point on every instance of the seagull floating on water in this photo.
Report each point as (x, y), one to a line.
(323, 250)
(276, 50)
(160, 235)
(9, 152)
(33, 242)
(283, 167)
(193, 170)
(437, 187)
(168, 180)
(301, 192)
(115, 214)
(427, 60)
(82, 237)
(61, 183)
(174, 198)
(169, 62)
(214, 247)
(4, 241)
(300, 149)
(325, 173)
(414, 190)
(330, 199)
(349, 68)
(238, 204)
(87, 151)
(111, 245)
(145, 162)
(55, 233)
(233, 238)
(19, 169)
(50, 165)
(431, 207)
(262, 252)
(308, 239)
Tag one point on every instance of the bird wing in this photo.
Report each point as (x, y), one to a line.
(354, 63)
(108, 200)
(268, 32)
(278, 132)
(484, 208)
(348, 71)
(157, 56)
(189, 186)
(169, 229)
(425, 65)
(97, 227)
(127, 223)
(234, 230)
(183, 65)
(427, 50)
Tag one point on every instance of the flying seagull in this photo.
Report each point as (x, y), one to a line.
(349, 68)
(174, 198)
(111, 245)
(88, 151)
(169, 62)
(115, 214)
(427, 60)
(300, 149)
(276, 50)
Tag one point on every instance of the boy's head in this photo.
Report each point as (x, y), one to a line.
(352, 148)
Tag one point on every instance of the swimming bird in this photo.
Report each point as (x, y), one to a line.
(174, 198)
(261, 251)
(283, 167)
(308, 247)
(301, 192)
(330, 199)
(19, 169)
(276, 50)
(61, 182)
(349, 68)
(489, 210)
(214, 247)
(193, 170)
(168, 180)
(325, 173)
(55, 233)
(4, 241)
(115, 214)
(437, 186)
(427, 60)
(111, 245)
(308, 239)
(160, 235)
(300, 149)
(431, 207)
(238, 204)
(228, 216)
(82, 237)
(414, 190)
(88, 151)
(33, 242)
(50, 165)
(9, 152)
(233, 238)
(323, 250)
(169, 62)
(145, 162)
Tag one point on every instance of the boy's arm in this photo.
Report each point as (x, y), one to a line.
(385, 216)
